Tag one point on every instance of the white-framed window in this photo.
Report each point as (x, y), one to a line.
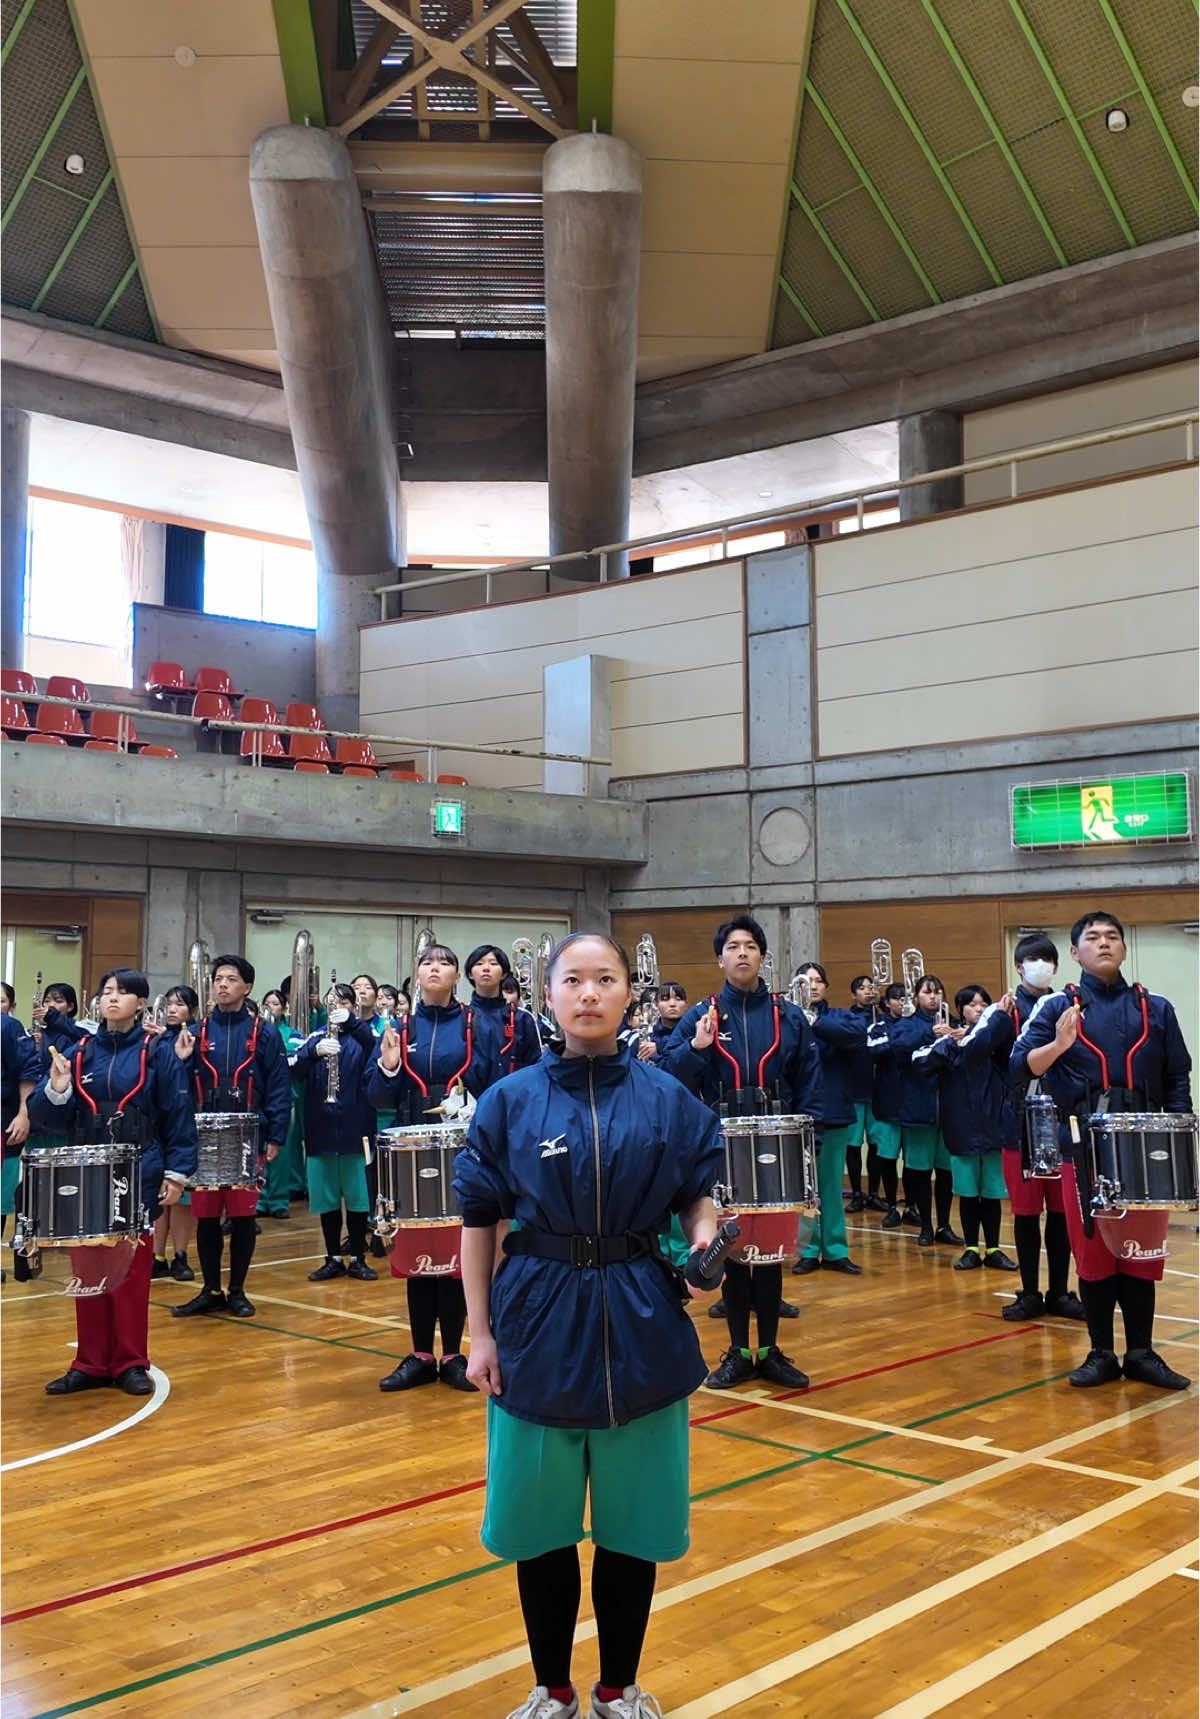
(255, 581)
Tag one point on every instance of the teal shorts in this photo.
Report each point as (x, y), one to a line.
(340, 1176)
(538, 1478)
(884, 1136)
(924, 1148)
(980, 1176)
(10, 1177)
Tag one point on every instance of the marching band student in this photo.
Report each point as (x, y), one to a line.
(417, 1066)
(8, 997)
(284, 1180)
(970, 1062)
(862, 1077)
(920, 1137)
(587, 1366)
(741, 1051)
(180, 1006)
(55, 1017)
(388, 999)
(1105, 1044)
(335, 1127)
(506, 1035)
(887, 1098)
(124, 1084)
(20, 1071)
(1036, 959)
(671, 999)
(238, 1064)
(841, 1036)
(366, 1002)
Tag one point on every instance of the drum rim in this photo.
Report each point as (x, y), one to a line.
(420, 1140)
(1143, 1122)
(93, 1152)
(211, 1118)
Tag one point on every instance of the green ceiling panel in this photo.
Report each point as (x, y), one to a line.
(821, 286)
(986, 184)
(1085, 59)
(906, 42)
(1066, 188)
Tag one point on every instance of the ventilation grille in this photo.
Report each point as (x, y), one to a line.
(474, 271)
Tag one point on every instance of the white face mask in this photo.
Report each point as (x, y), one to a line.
(1037, 974)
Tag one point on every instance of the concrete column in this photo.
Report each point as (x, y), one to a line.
(344, 604)
(336, 359)
(929, 441)
(576, 717)
(14, 515)
(592, 211)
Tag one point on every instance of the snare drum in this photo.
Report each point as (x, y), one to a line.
(226, 1149)
(1041, 1156)
(770, 1163)
(416, 1197)
(87, 1199)
(1143, 1159)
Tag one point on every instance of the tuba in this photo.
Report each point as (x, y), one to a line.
(424, 940)
(304, 977)
(646, 980)
(522, 966)
(199, 972)
(912, 966)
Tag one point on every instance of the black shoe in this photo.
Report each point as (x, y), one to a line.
(208, 1301)
(778, 1370)
(802, 1267)
(944, 1233)
(411, 1372)
(181, 1271)
(360, 1269)
(1147, 1368)
(877, 1203)
(240, 1305)
(378, 1250)
(160, 1268)
(1028, 1305)
(856, 1203)
(926, 1238)
(787, 1311)
(891, 1218)
(846, 1266)
(997, 1260)
(135, 1382)
(1065, 1306)
(717, 1310)
(331, 1268)
(278, 1215)
(73, 1380)
(1100, 1368)
(911, 1216)
(735, 1369)
(970, 1261)
(453, 1372)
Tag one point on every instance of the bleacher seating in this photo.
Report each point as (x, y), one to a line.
(110, 725)
(359, 770)
(355, 752)
(258, 710)
(310, 747)
(166, 677)
(405, 776)
(312, 766)
(159, 752)
(212, 707)
(304, 716)
(101, 746)
(15, 719)
(60, 719)
(44, 739)
(256, 744)
(211, 679)
(455, 781)
(18, 683)
(66, 686)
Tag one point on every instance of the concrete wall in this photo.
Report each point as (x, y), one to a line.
(1154, 393)
(270, 661)
(675, 645)
(1060, 612)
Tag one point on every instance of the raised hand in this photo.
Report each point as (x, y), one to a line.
(706, 1030)
(389, 1049)
(60, 1071)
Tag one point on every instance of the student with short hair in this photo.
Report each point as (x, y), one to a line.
(506, 1035)
(920, 1136)
(841, 1036)
(177, 1224)
(887, 1099)
(335, 1125)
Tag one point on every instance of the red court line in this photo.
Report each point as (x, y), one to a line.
(237, 1552)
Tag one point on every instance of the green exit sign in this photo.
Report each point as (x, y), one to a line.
(1121, 809)
(447, 818)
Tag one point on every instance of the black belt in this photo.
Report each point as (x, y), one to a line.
(583, 1251)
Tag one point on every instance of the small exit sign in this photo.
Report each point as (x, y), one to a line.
(447, 817)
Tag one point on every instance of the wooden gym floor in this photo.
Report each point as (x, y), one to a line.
(938, 1523)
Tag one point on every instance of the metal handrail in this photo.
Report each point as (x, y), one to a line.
(776, 516)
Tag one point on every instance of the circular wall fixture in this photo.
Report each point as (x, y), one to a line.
(784, 836)
(1191, 96)
(1116, 119)
(74, 164)
(185, 56)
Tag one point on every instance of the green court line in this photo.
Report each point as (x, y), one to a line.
(1168, 142)
(298, 60)
(823, 1455)
(257, 1324)
(982, 1402)
(595, 27)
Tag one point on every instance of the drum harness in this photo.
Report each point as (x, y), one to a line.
(422, 1086)
(508, 1045)
(228, 1097)
(104, 1113)
(1119, 1098)
(760, 1088)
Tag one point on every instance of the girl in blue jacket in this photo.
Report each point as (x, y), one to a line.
(335, 1132)
(580, 1341)
(506, 1036)
(841, 1036)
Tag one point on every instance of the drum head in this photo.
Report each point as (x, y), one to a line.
(98, 1270)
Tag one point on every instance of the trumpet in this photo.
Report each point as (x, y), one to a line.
(646, 980)
(522, 966)
(199, 972)
(304, 977)
(912, 967)
(329, 1050)
(424, 940)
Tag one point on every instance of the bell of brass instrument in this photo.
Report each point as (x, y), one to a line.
(943, 1013)
(304, 977)
(156, 1014)
(424, 940)
(912, 966)
(522, 966)
(199, 972)
(800, 993)
(767, 971)
(336, 1016)
(647, 981)
(545, 948)
(881, 964)
(91, 1015)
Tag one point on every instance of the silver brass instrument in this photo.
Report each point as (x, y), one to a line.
(199, 972)
(424, 940)
(767, 971)
(943, 1013)
(304, 977)
(35, 1029)
(156, 1014)
(646, 980)
(522, 966)
(912, 968)
(545, 948)
(329, 1049)
(881, 964)
(91, 1015)
(800, 993)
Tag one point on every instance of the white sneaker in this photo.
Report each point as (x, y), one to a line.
(632, 1703)
(540, 1704)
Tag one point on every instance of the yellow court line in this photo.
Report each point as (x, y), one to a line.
(328, 1312)
(961, 1684)
(466, 1677)
(873, 1626)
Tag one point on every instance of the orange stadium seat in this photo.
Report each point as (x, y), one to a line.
(455, 781)
(264, 746)
(405, 776)
(166, 677)
(17, 682)
(214, 680)
(66, 686)
(45, 739)
(258, 710)
(355, 752)
(101, 746)
(158, 752)
(311, 765)
(212, 707)
(108, 725)
(359, 770)
(304, 716)
(15, 718)
(309, 747)
(60, 719)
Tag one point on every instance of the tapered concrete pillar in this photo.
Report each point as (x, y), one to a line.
(336, 359)
(928, 442)
(592, 203)
(14, 515)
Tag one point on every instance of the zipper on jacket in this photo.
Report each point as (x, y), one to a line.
(608, 1390)
(432, 1049)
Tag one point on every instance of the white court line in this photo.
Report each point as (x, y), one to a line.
(1194, 1574)
(1171, 1271)
(162, 1390)
(499, 1664)
(329, 1312)
(295, 1259)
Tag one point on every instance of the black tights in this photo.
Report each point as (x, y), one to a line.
(972, 1210)
(436, 1301)
(891, 1179)
(622, 1589)
(1134, 1295)
(209, 1245)
(1028, 1233)
(760, 1288)
(331, 1230)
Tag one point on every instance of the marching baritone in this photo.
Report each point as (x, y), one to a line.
(337, 1118)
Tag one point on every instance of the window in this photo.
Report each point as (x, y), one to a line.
(77, 588)
(254, 581)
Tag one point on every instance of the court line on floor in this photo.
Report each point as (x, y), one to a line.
(960, 1685)
(332, 1312)
(162, 1390)
(1194, 1574)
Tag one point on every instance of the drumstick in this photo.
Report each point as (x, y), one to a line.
(1073, 1125)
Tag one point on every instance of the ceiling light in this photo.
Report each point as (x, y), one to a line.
(766, 494)
(1116, 119)
(74, 164)
(1191, 96)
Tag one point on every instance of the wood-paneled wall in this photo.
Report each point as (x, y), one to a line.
(112, 925)
(683, 940)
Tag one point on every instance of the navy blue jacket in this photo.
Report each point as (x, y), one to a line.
(589, 1146)
(977, 1113)
(20, 1061)
(862, 1067)
(506, 1038)
(1126, 1039)
(746, 1028)
(436, 1041)
(331, 1129)
(909, 1100)
(841, 1036)
(222, 1043)
(61, 1031)
(886, 1087)
(111, 1070)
